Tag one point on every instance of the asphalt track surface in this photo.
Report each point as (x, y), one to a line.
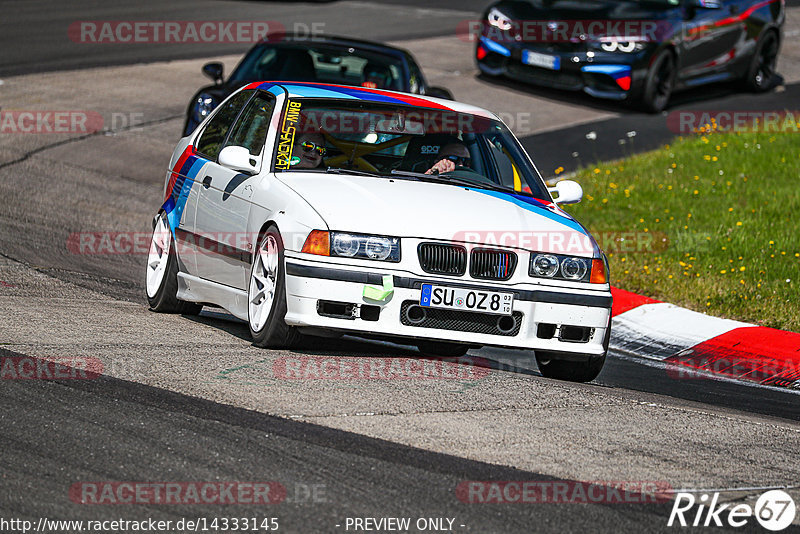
(162, 411)
(33, 31)
(140, 433)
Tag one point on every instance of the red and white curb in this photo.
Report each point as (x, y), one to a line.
(693, 344)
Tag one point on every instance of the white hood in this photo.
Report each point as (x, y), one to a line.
(408, 208)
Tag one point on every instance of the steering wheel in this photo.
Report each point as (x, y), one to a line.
(354, 152)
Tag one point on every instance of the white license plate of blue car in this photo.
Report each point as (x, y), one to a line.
(475, 300)
(545, 61)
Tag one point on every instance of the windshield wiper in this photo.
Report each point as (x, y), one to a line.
(454, 180)
(339, 170)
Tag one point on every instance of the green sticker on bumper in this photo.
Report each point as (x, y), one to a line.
(380, 293)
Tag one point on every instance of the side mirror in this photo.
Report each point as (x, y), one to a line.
(569, 192)
(238, 158)
(213, 71)
(439, 92)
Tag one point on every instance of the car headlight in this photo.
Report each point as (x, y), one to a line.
(204, 105)
(621, 46)
(498, 19)
(573, 269)
(346, 245)
(544, 265)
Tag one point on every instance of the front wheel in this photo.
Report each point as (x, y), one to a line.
(762, 74)
(267, 294)
(574, 371)
(659, 83)
(161, 281)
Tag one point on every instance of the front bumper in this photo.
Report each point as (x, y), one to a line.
(311, 281)
(600, 74)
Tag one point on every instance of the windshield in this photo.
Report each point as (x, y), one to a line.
(403, 142)
(328, 64)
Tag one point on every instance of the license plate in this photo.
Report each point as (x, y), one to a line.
(454, 298)
(541, 60)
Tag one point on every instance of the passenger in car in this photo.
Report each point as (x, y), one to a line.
(377, 76)
(308, 151)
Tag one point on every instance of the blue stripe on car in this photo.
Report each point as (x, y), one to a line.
(531, 204)
(180, 193)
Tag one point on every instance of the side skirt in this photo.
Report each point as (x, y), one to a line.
(194, 289)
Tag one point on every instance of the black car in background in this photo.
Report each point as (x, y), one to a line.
(667, 45)
(303, 58)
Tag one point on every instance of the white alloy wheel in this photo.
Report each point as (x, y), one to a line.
(263, 283)
(158, 257)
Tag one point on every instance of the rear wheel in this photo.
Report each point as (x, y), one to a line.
(442, 348)
(762, 74)
(659, 83)
(161, 282)
(267, 294)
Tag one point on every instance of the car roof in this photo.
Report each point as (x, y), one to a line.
(331, 40)
(335, 91)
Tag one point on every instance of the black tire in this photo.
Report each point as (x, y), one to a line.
(442, 348)
(275, 333)
(552, 367)
(659, 83)
(166, 298)
(762, 75)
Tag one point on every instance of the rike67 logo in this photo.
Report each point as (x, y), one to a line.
(774, 510)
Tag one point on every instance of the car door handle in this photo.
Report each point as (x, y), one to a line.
(733, 10)
(207, 182)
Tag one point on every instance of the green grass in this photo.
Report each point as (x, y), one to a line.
(728, 206)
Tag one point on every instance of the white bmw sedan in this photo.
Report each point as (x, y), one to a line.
(310, 208)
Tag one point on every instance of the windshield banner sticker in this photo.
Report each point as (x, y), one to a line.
(284, 158)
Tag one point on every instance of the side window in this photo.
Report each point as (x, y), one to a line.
(250, 130)
(211, 140)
